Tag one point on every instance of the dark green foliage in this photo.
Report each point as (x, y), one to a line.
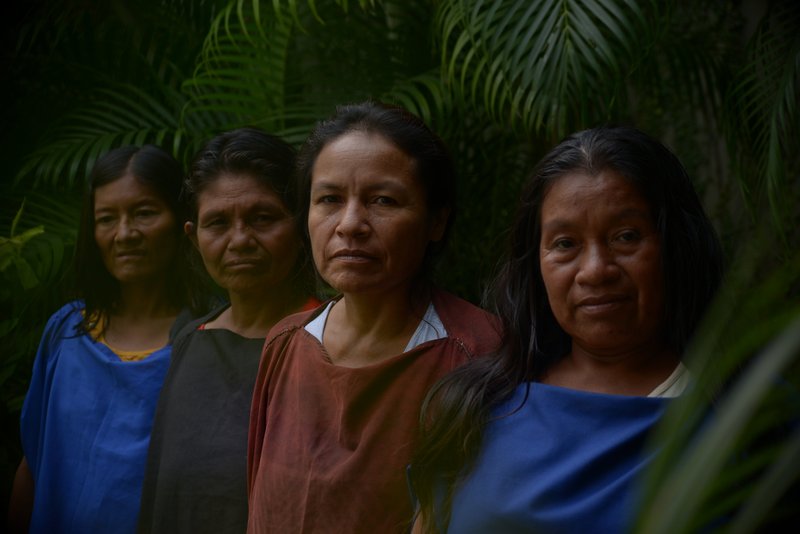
(501, 81)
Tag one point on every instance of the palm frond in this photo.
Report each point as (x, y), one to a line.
(762, 105)
(781, 474)
(98, 76)
(258, 68)
(122, 114)
(422, 95)
(547, 66)
(294, 9)
(718, 442)
(240, 76)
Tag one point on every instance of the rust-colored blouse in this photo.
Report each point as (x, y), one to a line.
(329, 445)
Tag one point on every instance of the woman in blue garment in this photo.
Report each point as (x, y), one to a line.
(87, 415)
(241, 193)
(612, 264)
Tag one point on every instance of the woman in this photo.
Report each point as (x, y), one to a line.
(88, 412)
(612, 263)
(336, 405)
(241, 193)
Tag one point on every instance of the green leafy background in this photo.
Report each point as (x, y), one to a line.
(501, 81)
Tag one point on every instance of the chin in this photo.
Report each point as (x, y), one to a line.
(129, 275)
(349, 286)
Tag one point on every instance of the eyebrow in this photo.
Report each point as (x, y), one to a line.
(558, 224)
(326, 186)
(147, 201)
(393, 185)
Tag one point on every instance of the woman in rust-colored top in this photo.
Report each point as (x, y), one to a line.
(339, 389)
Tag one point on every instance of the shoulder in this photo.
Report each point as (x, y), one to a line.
(477, 329)
(61, 335)
(185, 325)
(311, 304)
(66, 318)
(71, 308)
(291, 323)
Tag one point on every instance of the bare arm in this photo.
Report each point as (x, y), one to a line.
(20, 506)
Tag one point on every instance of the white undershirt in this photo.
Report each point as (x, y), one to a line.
(430, 327)
(675, 384)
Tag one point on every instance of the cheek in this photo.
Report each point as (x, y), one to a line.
(655, 292)
(100, 239)
(550, 279)
(103, 233)
(556, 286)
(408, 239)
(317, 236)
(650, 277)
(168, 232)
(209, 249)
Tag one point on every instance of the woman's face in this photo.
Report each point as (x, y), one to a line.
(245, 234)
(368, 216)
(135, 230)
(600, 257)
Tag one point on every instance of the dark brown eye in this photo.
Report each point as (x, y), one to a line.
(385, 201)
(563, 244)
(628, 236)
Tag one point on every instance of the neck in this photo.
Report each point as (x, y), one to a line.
(253, 314)
(363, 329)
(634, 372)
(145, 301)
(143, 318)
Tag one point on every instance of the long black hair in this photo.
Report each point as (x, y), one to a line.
(99, 290)
(458, 407)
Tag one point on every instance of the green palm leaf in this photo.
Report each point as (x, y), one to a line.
(262, 67)
(122, 114)
(718, 443)
(422, 95)
(240, 76)
(547, 66)
(762, 105)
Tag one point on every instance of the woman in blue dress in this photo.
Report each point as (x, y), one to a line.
(612, 264)
(101, 362)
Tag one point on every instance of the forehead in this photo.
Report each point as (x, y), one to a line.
(229, 186)
(361, 154)
(578, 192)
(126, 190)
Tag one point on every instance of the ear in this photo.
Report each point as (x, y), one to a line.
(190, 229)
(439, 224)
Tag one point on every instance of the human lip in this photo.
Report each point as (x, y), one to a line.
(129, 254)
(241, 263)
(352, 255)
(601, 303)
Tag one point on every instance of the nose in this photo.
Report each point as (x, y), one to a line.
(241, 237)
(126, 230)
(352, 220)
(597, 265)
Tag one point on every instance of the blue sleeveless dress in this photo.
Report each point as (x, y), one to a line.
(85, 429)
(558, 461)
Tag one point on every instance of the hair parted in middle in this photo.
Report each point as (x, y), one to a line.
(266, 158)
(250, 151)
(459, 406)
(99, 290)
(433, 164)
